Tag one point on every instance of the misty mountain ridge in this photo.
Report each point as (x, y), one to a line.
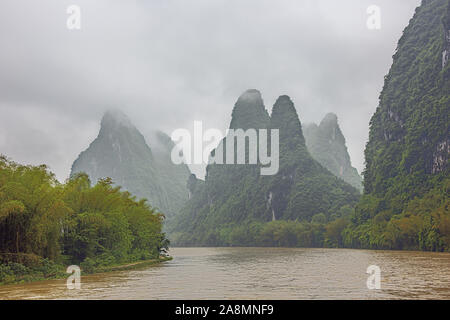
(235, 196)
(327, 145)
(121, 152)
(406, 197)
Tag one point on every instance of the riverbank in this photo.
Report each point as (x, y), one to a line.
(16, 273)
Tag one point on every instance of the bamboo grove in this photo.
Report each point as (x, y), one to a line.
(74, 222)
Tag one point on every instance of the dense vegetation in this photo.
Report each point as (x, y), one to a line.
(45, 225)
(406, 180)
(326, 143)
(144, 168)
(236, 198)
(319, 232)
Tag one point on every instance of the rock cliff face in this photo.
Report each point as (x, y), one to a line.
(120, 152)
(326, 143)
(237, 195)
(408, 149)
(446, 51)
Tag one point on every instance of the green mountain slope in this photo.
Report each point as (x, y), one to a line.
(326, 143)
(234, 199)
(406, 180)
(121, 153)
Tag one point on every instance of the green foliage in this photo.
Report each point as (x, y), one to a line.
(270, 234)
(409, 133)
(11, 272)
(406, 198)
(70, 223)
(423, 225)
(319, 218)
(109, 223)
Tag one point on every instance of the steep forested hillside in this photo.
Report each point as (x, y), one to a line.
(171, 177)
(326, 143)
(236, 205)
(45, 225)
(406, 180)
(121, 153)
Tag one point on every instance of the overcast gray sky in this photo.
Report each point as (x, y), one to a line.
(166, 63)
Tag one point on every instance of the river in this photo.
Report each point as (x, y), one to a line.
(260, 273)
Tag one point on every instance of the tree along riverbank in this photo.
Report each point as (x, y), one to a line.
(13, 272)
(46, 226)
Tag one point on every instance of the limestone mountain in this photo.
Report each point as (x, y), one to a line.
(121, 152)
(326, 143)
(249, 112)
(303, 187)
(171, 176)
(235, 196)
(406, 179)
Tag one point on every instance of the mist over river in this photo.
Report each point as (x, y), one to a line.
(260, 273)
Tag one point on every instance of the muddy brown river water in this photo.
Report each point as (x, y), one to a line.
(261, 273)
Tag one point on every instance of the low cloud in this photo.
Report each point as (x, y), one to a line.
(168, 63)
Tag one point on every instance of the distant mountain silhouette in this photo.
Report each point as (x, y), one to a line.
(121, 153)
